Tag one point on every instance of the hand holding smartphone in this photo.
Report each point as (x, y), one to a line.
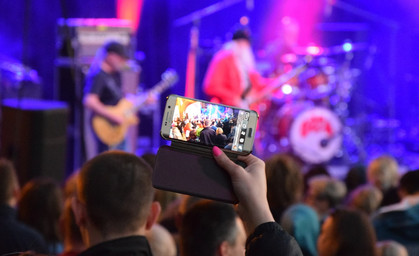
(194, 127)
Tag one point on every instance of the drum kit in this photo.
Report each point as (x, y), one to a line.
(307, 115)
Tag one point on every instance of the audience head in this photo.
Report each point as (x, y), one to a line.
(315, 170)
(9, 185)
(40, 206)
(284, 183)
(219, 131)
(355, 177)
(149, 158)
(366, 198)
(114, 197)
(70, 232)
(212, 228)
(302, 223)
(391, 248)
(409, 183)
(324, 193)
(207, 123)
(346, 233)
(161, 241)
(382, 172)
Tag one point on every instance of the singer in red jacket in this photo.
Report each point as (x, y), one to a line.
(231, 77)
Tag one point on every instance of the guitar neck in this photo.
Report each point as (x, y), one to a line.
(278, 82)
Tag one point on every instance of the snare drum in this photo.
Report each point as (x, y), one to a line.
(311, 132)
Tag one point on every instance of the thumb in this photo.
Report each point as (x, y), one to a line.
(224, 162)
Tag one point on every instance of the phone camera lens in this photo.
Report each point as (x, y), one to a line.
(168, 106)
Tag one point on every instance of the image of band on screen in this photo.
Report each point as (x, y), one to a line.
(209, 124)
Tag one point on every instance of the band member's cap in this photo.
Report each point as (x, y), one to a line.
(117, 48)
(242, 33)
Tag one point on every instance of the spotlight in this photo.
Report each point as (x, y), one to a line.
(347, 47)
(286, 89)
(314, 50)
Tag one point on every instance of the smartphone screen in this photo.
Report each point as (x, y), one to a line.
(202, 122)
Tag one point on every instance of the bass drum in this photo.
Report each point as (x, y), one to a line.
(311, 132)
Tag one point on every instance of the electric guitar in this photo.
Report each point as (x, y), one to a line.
(266, 93)
(113, 134)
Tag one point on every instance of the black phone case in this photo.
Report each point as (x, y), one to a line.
(192, 170)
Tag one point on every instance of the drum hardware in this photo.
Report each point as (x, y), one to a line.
(319, 101)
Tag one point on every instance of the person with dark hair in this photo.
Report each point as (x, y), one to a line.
(346, 233)
(285, 183)
(114, 205)
(355, 177)
(400, 222)
(265, 236)
(210, 229)
(231, 77)
(70, 232)
(40, 206)
(14, 235)
(314, 170)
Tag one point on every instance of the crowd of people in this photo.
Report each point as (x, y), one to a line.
(110, 208)
(212, 132)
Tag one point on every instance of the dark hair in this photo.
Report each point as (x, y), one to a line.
(242, 33)
(70, 230)
(353, 233)
(409, 182)
(116, 189)
(355, 177)
(8, 180)
(149, 158)
(284, 183)
(314, 170)
(117, 48)
(206, 225)
(40, 206)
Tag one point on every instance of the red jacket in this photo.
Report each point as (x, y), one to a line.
(223, 80)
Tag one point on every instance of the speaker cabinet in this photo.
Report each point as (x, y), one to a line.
(33, 136)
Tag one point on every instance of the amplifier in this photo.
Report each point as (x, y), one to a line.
(83, 37)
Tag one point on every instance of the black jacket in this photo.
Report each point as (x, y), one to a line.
(270, 239)
(126, 246)
(17, 237)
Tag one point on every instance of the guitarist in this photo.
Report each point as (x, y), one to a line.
(104, 88)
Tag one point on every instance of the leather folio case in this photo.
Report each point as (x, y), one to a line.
(192, 170)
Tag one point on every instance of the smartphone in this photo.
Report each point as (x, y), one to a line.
(199, 122)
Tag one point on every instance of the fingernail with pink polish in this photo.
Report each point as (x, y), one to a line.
(216, 151)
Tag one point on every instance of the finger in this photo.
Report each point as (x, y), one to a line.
(248, 159)
(224, 162)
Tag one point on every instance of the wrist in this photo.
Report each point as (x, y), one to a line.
(255, 215)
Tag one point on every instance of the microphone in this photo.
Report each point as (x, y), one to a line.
(325, 142)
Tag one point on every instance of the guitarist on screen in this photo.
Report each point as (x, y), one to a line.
(104, 88)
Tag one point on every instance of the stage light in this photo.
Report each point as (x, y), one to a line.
(286, 89)
(313, 50)
(347, 47)
(244, 20)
